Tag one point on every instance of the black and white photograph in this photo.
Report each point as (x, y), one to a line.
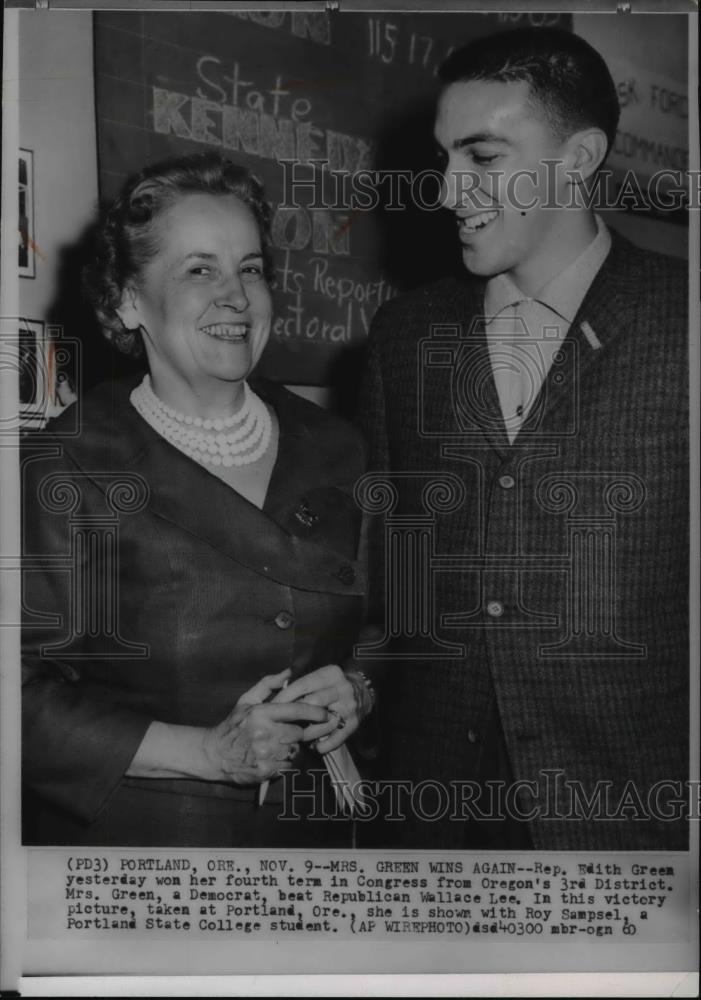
(350, 601)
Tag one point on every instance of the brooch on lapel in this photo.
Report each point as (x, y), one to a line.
(305, 515)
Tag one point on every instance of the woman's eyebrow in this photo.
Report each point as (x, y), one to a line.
(207, 255)
(200, 254)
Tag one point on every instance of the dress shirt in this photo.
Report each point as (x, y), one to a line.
(524, 333)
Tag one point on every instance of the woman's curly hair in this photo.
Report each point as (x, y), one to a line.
(126, 236)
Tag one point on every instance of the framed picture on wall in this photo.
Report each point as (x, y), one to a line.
(26, 254)
(36, 388)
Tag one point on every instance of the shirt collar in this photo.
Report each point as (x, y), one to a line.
(564, 292)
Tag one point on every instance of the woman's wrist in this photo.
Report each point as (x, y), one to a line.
(365, 693)
(172, 751)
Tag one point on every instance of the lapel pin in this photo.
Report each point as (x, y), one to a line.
(594, 341)
(305, 515)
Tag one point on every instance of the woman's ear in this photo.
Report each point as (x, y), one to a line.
(128, 309)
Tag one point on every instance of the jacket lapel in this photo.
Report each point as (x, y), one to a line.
(479, 390)
(603, 316)
(458, 340)
(185, 494)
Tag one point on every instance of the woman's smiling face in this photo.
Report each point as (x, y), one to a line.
(202, 302)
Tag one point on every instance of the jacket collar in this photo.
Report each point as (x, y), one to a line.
(604, 315)
(564, 292)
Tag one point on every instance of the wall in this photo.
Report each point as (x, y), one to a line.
(656, 53)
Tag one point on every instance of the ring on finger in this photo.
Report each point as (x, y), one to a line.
(340, 721)
(292, 751)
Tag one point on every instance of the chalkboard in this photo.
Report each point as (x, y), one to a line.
(271, 88)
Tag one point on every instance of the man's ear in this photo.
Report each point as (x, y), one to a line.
(128, 309)
(587, 151)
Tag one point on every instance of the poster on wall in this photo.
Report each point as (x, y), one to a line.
(403, 687)
(333, 115)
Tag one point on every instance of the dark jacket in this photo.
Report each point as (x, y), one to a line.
(154, 591)
(558, 588)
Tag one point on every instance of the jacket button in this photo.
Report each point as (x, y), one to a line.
(495, 609)
(346, 574)
(284, 620)
(472, 735)
(507, 482)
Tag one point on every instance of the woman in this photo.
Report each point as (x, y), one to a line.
(191, 578)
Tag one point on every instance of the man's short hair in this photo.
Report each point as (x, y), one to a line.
(570, 83)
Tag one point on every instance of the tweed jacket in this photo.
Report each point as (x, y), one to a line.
(555, 570)
(154, 591)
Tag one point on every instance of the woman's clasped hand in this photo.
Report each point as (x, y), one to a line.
(261, 736)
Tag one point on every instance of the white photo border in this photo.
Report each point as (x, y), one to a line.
(15, 858)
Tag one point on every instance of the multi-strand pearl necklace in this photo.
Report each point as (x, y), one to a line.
(210, 441)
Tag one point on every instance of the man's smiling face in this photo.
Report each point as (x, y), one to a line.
(491, 132)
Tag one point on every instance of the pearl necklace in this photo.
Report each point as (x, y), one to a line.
(246, 444)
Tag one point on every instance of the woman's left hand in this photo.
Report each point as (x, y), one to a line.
(344, 696)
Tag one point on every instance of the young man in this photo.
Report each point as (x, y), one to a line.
(531, 417)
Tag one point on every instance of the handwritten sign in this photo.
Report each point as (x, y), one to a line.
(280, 91)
